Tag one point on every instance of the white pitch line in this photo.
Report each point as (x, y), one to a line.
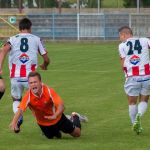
(88, 71)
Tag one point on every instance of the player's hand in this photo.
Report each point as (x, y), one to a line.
(1, 71)
(51, 117)
(13, 126)
(43, 67)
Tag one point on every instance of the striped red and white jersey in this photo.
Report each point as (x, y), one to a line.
(135, 52)
(23, 54)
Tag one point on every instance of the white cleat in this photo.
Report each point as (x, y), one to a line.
(82, 118)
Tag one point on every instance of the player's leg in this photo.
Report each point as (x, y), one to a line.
(49, 131)
(143, 102)
(2, 87)
(16, 92)
(76, 121)
(133, 113)
(132, 89)
(132, 102)
(72, 127)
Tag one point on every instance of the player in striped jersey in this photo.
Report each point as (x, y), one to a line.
(23, 50)
(135, 61)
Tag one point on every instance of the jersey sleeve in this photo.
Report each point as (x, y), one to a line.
(9, 41)
(41, 47)
(55, 98)
(121, 51)
(25, 101)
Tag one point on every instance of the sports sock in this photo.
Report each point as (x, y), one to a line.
(142, 107)
(132, 112)
(76, 121)
(15, 106)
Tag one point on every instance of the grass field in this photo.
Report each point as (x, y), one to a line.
(112, 3)
(89, 79)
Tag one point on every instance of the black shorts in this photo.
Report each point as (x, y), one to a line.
(64, 125)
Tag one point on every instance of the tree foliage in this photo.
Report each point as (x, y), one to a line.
(93, 3)
(133, 3)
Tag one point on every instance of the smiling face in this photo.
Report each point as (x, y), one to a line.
(35, 85)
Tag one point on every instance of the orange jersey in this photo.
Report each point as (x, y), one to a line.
(42, 106)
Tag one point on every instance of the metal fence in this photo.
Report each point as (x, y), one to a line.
(88, 26)
(101, 26)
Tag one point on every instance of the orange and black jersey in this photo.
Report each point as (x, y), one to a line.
(42, 106)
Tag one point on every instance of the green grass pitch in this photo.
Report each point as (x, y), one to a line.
(89, 79)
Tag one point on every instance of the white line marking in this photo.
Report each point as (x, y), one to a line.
(88, 71)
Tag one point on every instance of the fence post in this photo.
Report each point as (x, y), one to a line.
(130, 23)
(104, 27)
(53, 26)
(78, 26)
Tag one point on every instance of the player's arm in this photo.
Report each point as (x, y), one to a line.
(60, 109)
(13, 124)
(22, 107)
(2, 87)
(59, 105)
(45, 63)
(42, 51)
(3, 52)
(122, 62)
(122, 55)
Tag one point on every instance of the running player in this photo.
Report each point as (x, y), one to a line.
(134, 54)
(23, 49)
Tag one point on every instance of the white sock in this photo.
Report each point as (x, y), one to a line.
(132, 112)
(142, 107)
(15, 106)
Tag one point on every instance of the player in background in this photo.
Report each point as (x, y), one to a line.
(23, 50)
(2, 84)
(135, 61)
(48, 109)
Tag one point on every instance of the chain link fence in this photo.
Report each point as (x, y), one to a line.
(101, 26)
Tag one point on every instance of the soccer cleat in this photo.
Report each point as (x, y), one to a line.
(20, 121)
(68, 116)
(137, 124)
(82, 118)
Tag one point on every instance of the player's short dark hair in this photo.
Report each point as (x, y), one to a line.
(25, 23)
(34, 74)
(126, 30)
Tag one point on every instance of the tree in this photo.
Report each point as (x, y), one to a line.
(133, 3)
(146, 3)
(5, 3)
(93, 3)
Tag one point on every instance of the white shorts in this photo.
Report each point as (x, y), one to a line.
(138, 85)
(17, 87)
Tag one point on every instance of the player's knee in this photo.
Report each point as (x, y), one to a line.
(76, 132)
(16, 99)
